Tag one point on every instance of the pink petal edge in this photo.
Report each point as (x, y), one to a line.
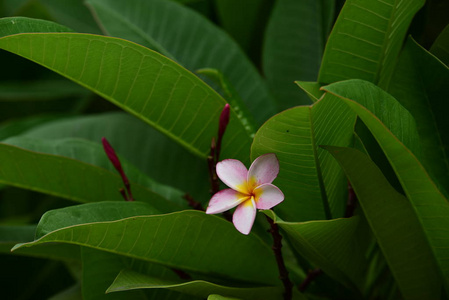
(225, 200)
(244, 216)
(264, 169)
(268, 196)
(233, 173)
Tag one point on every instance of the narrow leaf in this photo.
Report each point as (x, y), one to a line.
(394, 224)
(186, 240)
(129, 280)
(366, 40)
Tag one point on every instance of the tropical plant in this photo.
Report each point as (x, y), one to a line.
(120, 117)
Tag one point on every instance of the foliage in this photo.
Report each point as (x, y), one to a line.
(351, 97)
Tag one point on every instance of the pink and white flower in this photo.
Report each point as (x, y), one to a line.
(249, 190)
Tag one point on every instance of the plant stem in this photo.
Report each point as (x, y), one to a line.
(310, 277)
(192, 203)
(277, 246)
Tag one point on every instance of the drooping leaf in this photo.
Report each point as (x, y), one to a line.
(91, 213)
(93, 154)
(188, 240)
(185, 36)
(67, 178)
(129, 280)
(420, 85)
(311, 181)
(331, 245)
(366, 40)
(294, 44)
(149, 150)
(429, 204)
(11, 235)
(16, 127)
(394, 223)
(440, 48)
(140, 81)
(389, 111)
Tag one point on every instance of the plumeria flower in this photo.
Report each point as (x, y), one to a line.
(249, 190)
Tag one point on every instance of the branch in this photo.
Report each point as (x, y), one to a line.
(277, 246)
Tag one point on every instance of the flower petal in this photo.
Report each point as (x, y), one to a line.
(267, 196)
(234, 174)
(264, 169)
(224, 200)
(244, 216)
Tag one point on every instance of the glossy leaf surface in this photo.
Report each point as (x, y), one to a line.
(403, 243)
(186, 240)
(366, 40)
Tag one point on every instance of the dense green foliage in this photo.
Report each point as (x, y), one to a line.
(350, 95)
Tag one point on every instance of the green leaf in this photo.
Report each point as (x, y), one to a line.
(232, 97)
(141, 81)
(429, 204)
(16, 127)
(185, 36)
(67, 178)
(93, 154)
(14, 25)
(11, 235)
(440, 47)
(294, 44)
(308, 176)
(146, 148)
(366, 40)
(389, 111)
(420, 85)
(394, 224)
(101, 268)
(188, 240)
(91, 213)
(312, 89)
(331, 245)
(219, 297)
(129, 280)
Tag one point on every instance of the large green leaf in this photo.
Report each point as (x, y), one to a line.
(188, 240)
(93, 154)
(141, 81)
(294, 44)
(420, 85)
(149, 150)
(332, 245)
(394, 224)
(68, 178)
(440, 47)
(129, 280)
(366, 40)
(16, 127)
(313, 183)
(429, 204)
(385, 107)
(12, 235)
(190, 39)
(101, 268)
